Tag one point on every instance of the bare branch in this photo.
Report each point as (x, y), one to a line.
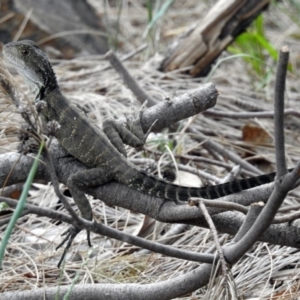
(288, 218)
(197, 135)
(249, 114)
(164, 290)
(279, 109)
(223, 204)
(55, 183)
(113, 233)
(282, 185)
(128, 80)
(251, 217)
(215, 236)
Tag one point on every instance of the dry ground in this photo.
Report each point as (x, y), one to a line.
(267, 271)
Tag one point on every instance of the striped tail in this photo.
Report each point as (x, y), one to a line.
(154, 186)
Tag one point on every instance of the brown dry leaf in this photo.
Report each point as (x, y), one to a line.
(255, 134)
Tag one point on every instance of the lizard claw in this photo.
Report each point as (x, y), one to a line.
(135, 114)
(70, 235)
(134, 122)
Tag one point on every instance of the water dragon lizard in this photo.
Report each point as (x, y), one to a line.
(101, 150)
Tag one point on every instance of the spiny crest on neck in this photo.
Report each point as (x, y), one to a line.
(33, 65)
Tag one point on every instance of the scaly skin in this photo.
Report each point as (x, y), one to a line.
(105, 156)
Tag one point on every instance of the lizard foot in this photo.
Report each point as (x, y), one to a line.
(70, 235)
(134, 123)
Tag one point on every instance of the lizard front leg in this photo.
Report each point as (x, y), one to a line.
(90, 177)
(130, 133)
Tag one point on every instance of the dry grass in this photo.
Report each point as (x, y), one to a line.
(267, 271)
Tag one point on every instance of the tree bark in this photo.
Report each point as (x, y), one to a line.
(203, 45)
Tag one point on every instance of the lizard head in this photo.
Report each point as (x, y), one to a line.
(33, 65)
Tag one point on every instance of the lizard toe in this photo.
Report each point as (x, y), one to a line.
(70, 235)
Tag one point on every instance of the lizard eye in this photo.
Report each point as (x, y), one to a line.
(24, 52)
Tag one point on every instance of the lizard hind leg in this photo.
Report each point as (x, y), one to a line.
(90, 177)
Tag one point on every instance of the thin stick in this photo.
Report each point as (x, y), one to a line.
(215, 236)
(288, 218)
(24, 23)
(115, 234)
(251, 217)
(223, 204)
(197, 135)
(128, 80)
(247, 115)
(287, 180)
(279, 109)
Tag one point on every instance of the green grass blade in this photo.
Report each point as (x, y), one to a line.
(20, 205)
(208, 78)
(149, 10)
(157, 16)
(259, 25)
(267, 46)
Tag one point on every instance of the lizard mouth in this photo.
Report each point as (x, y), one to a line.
(25, 72)
(8, 57)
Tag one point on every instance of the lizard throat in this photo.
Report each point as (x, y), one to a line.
(43, 91)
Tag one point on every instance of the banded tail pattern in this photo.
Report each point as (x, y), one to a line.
(154, 186)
